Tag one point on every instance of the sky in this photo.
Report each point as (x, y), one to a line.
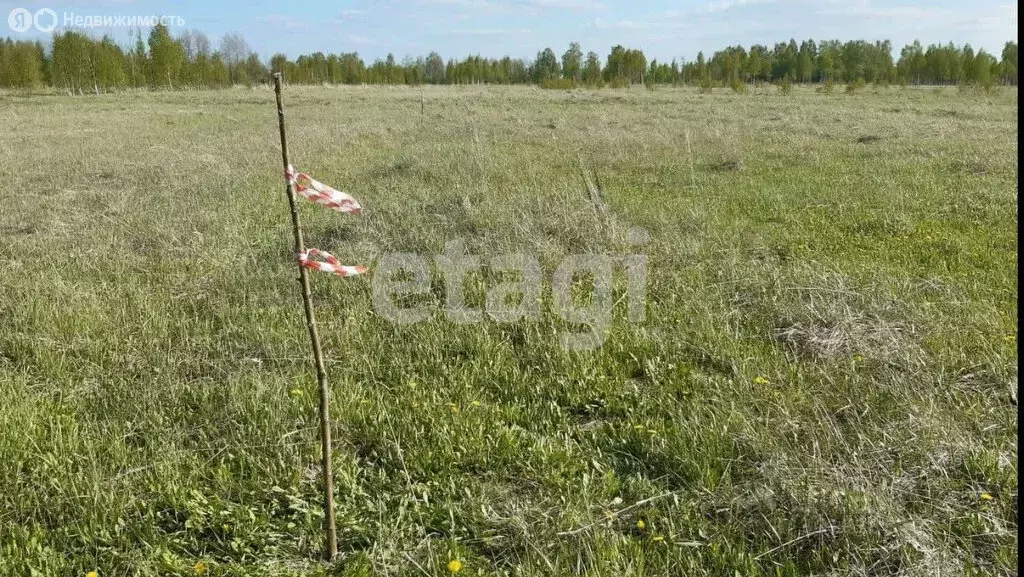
(520, 28)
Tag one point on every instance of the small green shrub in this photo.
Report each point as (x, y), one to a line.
(738, 86)
(976, 88)
(558, 83)
(854, 86)
(826, 87)
(706, 85)
(785, 86)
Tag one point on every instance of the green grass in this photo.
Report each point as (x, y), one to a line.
(825, 382)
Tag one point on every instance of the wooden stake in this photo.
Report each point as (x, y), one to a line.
(331, 545)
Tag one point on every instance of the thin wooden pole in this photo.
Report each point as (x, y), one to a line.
(314, 337)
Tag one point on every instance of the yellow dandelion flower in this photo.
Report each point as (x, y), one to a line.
(296, 393)
(986, 497)
(200, 568)
(858, 358)
(657, 538)
(455, 408)
(640, 524)
(454, 566)
(92, 574)
(759, 380)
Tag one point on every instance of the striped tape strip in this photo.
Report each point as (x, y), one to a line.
(320, 193)
(321, 260)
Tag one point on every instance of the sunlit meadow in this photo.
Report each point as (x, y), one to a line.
(825, 381)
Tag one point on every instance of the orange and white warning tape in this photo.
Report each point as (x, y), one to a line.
(324, 195)
(320, 193)
(327, 262)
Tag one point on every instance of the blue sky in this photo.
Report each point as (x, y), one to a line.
(521, 28)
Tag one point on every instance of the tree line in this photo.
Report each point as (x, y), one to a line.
(78, 63)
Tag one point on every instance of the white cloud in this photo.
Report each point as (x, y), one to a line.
(673, 19)
(865, 9)
(530, 7)
(723, 5)
(1001, 25)
(350, 13)
(483, 5)
(283, 21)
(565, 4)
(635, 24)
(490, 31)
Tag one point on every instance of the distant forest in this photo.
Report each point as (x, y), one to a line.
(78, 63)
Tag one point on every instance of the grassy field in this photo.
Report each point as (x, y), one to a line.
(825, 383)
